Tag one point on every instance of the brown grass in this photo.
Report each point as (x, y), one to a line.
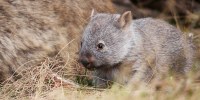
(38, 83)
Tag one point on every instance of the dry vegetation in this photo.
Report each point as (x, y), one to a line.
(58, 76)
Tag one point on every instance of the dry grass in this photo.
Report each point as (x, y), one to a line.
(37, 83)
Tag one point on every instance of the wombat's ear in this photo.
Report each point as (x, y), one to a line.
(125, 19)
(93, 13)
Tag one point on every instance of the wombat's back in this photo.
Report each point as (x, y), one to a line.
(33, 29)
(164, 45)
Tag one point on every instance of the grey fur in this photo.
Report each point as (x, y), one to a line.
(142, 49)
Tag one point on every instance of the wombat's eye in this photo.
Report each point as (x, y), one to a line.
(100, 46)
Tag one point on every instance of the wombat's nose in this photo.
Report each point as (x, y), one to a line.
(85, 62)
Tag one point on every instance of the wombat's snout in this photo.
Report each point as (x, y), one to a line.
(87, 62)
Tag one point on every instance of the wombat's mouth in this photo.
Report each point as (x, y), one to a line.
(100, 67)
(92, 67)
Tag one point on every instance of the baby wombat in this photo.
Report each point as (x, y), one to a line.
(123, 50)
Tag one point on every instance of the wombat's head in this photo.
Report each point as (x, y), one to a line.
(106, 40)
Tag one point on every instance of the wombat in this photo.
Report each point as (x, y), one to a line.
(125, 51)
